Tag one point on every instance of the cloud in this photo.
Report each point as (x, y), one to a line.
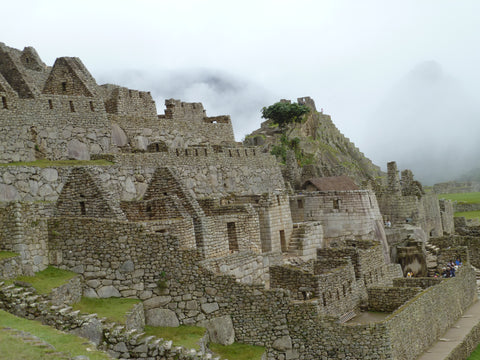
(219, 92)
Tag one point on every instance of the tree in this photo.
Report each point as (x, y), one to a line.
(284, 113)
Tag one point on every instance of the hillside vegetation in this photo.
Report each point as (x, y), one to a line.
(320, 148)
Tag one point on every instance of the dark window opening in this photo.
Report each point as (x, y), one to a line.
(27, 60)
(324, 300)
(4, 102)
(232, 237)
(283, 242)
(91, 106)
(186, 152)
(149, 211)
(300, 203)
(64, 86)
(176, 152)
(196, 152)
(72, 108)
(50, 104)
(83, 211)
(278, 199)
(336, 204)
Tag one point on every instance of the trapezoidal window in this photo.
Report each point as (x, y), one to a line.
(4, 102)
(232, 237)
(91, 106)
(83, 210)
(336, 203)
(64, 86)
(72, 107)
(50, 104)
(283, 242)
(300, 203)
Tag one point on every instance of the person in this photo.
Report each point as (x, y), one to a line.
(388, 223)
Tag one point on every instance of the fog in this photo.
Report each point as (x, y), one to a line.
(400, 79)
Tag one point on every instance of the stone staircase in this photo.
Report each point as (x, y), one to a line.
(296, 240)
(431, 258)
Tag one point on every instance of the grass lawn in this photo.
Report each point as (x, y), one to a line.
(468, 214)
(186, 336)
(48, 163)
(467, 198)
(48, 279)
(113, 309)
(7, 254)
(12, 347)
(238, 351)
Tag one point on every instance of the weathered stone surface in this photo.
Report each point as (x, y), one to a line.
(161, 317)
(119, 137)
(8, 192)
(157, 301)
(78, 150)
(220, 330)
(283, 343)
(108, 291)
(92, 330)
(208, 308)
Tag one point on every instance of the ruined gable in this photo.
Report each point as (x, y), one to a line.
(12, 70)
(82, 195)
(70, 77)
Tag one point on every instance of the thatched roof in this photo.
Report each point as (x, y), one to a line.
(338, 183)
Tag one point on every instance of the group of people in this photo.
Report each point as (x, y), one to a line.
(449, 270)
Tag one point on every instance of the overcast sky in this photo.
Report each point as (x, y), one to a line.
(398, 78)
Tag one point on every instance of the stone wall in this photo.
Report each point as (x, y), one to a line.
(388, 299)
(129, 182)
(69, 293)
(11, 267)
(343, 214)
(118, 340)
(274, 219)
(23, 229)
(415, 329)
(422, 282)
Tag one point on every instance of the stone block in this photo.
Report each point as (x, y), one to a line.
(209, 308)
(108, 291)
(220, 329)
(161, 317)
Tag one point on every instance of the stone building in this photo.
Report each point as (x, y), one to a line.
(202, 229)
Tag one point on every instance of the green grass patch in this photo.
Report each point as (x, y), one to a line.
(114, 309)
(7, 254)
(468, 214)
(466, 198)
(186, 336)
(11, 348)
(475, 355)
(48, 279)
(238, 351)
(49, 163)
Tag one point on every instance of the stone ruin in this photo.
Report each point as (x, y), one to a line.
(202, 229)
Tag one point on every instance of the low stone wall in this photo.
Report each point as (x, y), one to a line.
(135, 318)
(417, 324)
(463, 207)
(118, 340)
(388, 299)
(11, 267)
(467, 346)
(423, 282)
(69, 293)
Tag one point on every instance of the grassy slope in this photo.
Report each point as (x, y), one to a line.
(48, 279)
(113, 309)
(467, 198)
(65, 343)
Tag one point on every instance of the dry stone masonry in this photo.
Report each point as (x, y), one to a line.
(209, 232)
